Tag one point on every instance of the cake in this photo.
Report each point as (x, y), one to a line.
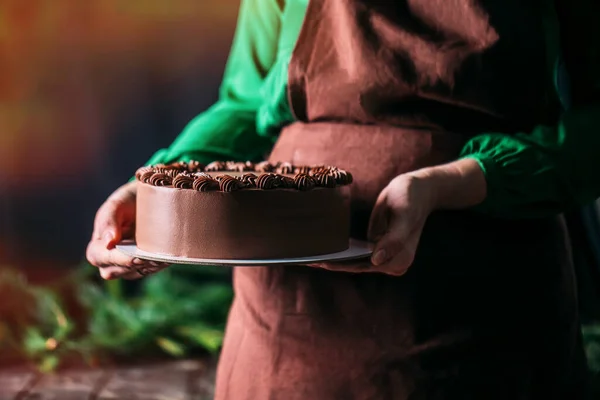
(242, 210)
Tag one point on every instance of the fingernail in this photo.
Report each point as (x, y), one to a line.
(108, 237)
(379, 257)
(138, 261)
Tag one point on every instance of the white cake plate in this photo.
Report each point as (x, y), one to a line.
(356, 250)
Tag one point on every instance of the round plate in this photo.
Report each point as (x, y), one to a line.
(356, 250)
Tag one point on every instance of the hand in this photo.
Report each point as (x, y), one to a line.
(115, 221)
(397, 222)
(403, 207)
(395, 227)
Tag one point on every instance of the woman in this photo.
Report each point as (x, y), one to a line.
(446, 114)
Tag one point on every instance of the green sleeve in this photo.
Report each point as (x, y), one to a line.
(227, 130)
(553, 168)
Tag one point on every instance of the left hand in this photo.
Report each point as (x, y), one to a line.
(403, 207)
(395, 226)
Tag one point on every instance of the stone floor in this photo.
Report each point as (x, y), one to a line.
(175, 380)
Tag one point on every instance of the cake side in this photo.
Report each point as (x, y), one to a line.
(237, 214)
(248, 224)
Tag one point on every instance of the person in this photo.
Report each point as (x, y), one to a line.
(447, 115)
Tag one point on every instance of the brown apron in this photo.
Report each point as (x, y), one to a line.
(488, 309)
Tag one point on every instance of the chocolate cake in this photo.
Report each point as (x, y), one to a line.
(242, 210)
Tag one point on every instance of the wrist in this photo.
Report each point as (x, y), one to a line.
(456, 185)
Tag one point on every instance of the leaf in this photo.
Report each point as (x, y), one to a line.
(34, 342)
(49, 363)
(171, 347)
(209, 338)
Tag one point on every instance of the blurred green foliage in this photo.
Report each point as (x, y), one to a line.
(178, 312)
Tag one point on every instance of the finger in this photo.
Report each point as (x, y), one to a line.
(107, 226)
(402, 260)
(378, 222)
(99, 256)
(137, 272)
(392, 242)
(116, 257)
(148, 269)
(114, 272)
(345, 266)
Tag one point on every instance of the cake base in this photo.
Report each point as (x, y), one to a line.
(356, 250)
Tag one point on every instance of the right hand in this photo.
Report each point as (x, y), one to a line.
(115, 221)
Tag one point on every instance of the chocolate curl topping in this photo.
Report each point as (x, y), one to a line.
(167, 171)
(145, 177)
(183, 181)
(201, 174)
(302, 170)
(264, 166)
(180, 165)
(239, 166)
(304, 182)
(215, 166)
(141, 171)
(324, 179)
(287, 182)
(342, 177)
(248, 180)
(267, 181)
(285, 168)
(194, 166)
(229, 183)
(160, 179)
(205, 184)
(317, 170)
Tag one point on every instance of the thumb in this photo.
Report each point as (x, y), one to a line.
(392, 242)
(379, 220)
(107, 226)
(112, 236)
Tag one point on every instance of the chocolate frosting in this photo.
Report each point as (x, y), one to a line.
(228, 183)
(146, 175)
(249, 180)
(304, 182)
(264, 166)
(302, 170)
(215, 166)
(194, 166)
(287, 182)
(171, 172)
(267, 181)
(183, 181)
(324, 179)
(141, 171)
(244, 224)
(160, 179)
(342, 177)
(239, 166)
(205, 184)
(280, 175)
(285, 168)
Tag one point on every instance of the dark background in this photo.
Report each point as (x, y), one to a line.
(89, 90)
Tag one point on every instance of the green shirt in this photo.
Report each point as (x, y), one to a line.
(529, 174)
